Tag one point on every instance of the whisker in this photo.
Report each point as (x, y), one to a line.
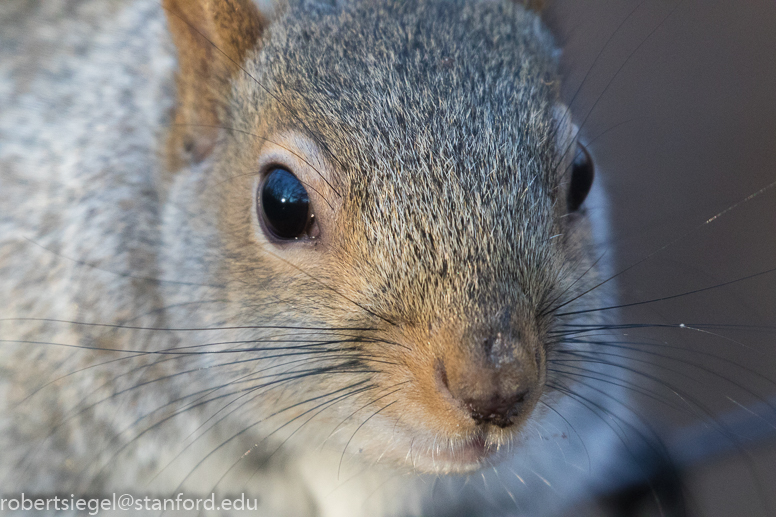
(339, 469)
(670, 297)
(251, 426)
(671, 243)
(192, 329)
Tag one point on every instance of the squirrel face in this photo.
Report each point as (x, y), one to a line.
(397, 177)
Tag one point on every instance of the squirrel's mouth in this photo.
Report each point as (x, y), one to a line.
(457, 456)
(472, 452)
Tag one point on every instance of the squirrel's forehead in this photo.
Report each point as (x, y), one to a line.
(462, 88)
(419, 52)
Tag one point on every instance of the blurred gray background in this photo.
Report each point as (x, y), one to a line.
(678, 106)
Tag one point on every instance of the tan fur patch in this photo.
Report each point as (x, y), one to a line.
(213, 38)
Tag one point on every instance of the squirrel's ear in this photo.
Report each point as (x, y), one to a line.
(213, 38)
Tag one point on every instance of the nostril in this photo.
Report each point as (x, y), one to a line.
(441, 374)
(497, 409)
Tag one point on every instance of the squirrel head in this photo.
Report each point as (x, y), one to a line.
(402, 176)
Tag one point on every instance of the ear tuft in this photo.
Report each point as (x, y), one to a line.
(213, 38)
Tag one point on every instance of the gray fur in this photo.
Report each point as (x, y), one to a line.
(439, 122)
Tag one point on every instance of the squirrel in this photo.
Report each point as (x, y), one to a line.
(324, 256)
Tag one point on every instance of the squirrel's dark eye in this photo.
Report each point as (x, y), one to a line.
(582, 174)
(285, 205)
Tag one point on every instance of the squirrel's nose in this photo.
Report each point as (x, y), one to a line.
(488, 395)
(498, 409)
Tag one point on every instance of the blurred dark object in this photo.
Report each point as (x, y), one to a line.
(661, 485)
